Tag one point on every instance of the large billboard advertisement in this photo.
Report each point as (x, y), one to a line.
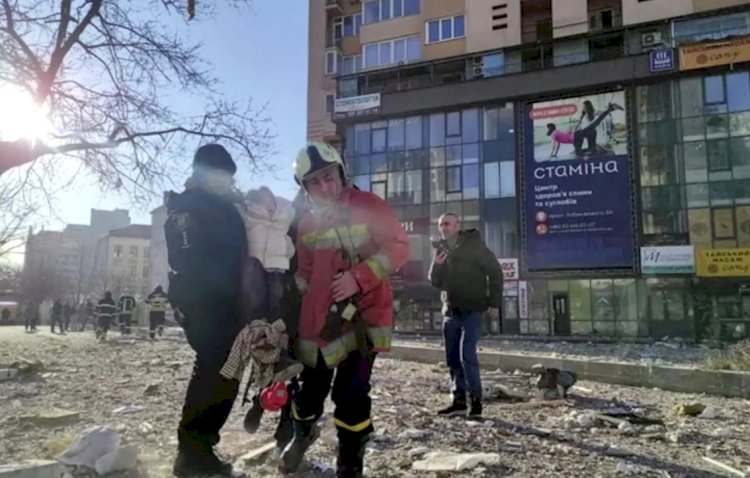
(577, 202)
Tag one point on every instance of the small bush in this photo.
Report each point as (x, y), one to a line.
(737, 358)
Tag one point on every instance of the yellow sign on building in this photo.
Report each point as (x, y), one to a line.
(707, 55)
(723, 263)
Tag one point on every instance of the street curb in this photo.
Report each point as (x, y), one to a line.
(674, 379)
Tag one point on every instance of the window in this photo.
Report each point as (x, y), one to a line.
(390, 52)
(445, 29)
(133, 270)
(453, 179)
(453, 126)
(507, 179)
(711, 28)
(146, 252)
(118, 251)
(437, 129)
(414, 132)
(379, 188)
(738, 91)
(718, 155)
(133, 251)
(146, 272)
(350, 64)
(492, 180)
(329, 104)
(382, 10)
(471, 181)
(332, 61)
(379, 137)
(396, 134)
(362, 138)
(351, 24)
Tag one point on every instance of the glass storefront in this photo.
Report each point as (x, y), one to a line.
(694, 144)
(692, 156)
(461, 161)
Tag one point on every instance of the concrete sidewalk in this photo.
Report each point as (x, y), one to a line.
(677, 379)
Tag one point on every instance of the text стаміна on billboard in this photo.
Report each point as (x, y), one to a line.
(577, 190)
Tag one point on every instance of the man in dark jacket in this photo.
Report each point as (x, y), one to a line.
(57, 316)
(206, 245)
(68, 311)
(471, 284)
(31, 314)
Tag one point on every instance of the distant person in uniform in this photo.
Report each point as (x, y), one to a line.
(125, 308)
(5, 316)
(68, 311)
(88, 310)
(57, 316)
(31, 316)
(157, 302)
(105, 310)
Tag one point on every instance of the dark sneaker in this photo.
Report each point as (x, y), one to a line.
(476, 409)
(457, 408)
(188, 465)
(253, 416)
(305, 434)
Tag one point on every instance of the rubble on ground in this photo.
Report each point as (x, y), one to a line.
(598, 430)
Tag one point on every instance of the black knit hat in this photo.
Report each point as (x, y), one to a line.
(214, 156)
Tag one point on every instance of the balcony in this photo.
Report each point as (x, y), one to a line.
(334, 8)
(529, 57)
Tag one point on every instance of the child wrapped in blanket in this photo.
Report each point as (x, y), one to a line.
(264, 342)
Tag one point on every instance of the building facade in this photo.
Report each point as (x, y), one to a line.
(159, 253)
(123, 261)
(601, 147)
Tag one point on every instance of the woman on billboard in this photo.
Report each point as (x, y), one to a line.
(584, 130)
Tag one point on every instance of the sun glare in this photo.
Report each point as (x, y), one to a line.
(20, 117)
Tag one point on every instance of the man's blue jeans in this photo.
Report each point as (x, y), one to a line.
(461, 334)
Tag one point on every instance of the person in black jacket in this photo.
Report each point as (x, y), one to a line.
(57, 316)
(471, 284)
(105, 314)
(68, 311)
(206, 245)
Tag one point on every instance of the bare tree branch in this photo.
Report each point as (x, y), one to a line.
(111, 73)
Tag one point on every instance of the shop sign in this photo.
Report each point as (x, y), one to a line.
(523, 299)
(510, 288)
(668, 260)
(723, 263)
(509, 268)
(661, 60)
(356, 105)
(716, 53)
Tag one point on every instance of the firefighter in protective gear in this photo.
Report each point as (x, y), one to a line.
(125, 309)
(158, 302)
(348, 244)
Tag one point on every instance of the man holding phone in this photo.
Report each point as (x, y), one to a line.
(471, 284)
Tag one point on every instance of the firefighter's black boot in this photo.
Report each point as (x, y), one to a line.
(305, 434)
(351, 460)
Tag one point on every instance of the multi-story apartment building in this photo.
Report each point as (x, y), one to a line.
(601, 147)
(123, 261)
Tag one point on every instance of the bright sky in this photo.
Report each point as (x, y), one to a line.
(260, 54)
